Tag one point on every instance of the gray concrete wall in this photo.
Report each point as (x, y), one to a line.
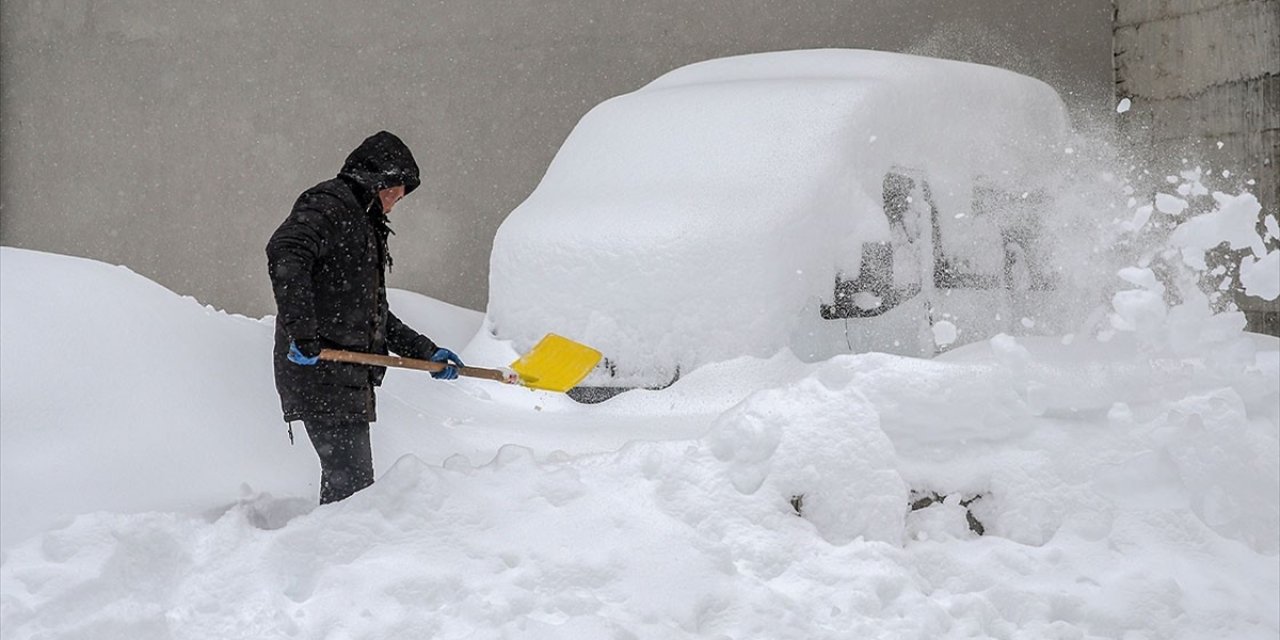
(1200, 73)
(173, 136)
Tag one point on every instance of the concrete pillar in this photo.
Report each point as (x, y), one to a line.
(1204, 78)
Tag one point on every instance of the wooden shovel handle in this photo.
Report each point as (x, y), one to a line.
(378, 360)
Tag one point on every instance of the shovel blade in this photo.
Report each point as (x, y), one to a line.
(556, 363)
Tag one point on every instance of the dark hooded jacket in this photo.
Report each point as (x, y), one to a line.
(327, 263)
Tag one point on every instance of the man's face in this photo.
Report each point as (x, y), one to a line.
(390, 197)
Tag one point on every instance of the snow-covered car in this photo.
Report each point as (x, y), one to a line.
(826, 201)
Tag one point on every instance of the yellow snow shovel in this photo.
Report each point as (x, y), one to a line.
(556, 363)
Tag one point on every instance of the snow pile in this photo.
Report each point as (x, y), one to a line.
(1224, 456)
(822, 449)
(1087, 490)
(112, 383)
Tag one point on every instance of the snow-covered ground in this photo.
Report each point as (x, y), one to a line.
(149, 489)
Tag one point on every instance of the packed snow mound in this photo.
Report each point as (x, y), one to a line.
(127, 384)
(99, 365)
(824, 450)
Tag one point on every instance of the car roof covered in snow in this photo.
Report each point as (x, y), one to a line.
(767, 128)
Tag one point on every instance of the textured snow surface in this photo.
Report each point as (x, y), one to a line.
(1125, 492)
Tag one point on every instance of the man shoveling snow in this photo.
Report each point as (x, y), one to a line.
(328, 263)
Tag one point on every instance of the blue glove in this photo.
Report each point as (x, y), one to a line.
(450, 372)
(296, 355)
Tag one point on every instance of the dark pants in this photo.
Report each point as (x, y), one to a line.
(346, 461)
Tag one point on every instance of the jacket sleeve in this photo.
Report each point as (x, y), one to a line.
(404, 341)
(291, 255)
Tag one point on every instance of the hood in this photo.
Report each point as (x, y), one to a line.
(380, 162)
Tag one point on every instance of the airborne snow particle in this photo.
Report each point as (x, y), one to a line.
(1171, 205)
(944, 333)
(1261, 278)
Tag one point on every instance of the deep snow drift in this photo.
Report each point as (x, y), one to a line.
(1126, 491)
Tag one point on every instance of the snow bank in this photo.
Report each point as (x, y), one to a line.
(111, 382)
(121, 396)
